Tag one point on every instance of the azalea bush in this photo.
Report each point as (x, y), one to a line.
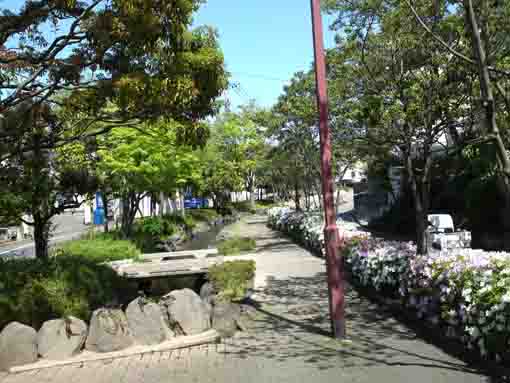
(308, 228)
(465, 292)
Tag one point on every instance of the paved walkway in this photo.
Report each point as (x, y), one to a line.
(288, 341)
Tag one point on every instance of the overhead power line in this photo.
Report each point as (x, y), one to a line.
(260, 76)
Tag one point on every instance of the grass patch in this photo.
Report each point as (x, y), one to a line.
(33, 291)
(232, 279)
(203, 215)
(101, 249)
(244, 207)
(236, 245)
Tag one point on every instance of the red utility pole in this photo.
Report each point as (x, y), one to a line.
(334, 261)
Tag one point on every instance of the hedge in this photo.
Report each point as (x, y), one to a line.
(465, 292)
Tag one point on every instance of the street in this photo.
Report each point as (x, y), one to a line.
(66, 226)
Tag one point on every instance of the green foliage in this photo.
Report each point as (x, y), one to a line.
(159, 66)
(203, 215)
(148, 232)
(33, 291)
(232, 279)
(244, 207)
(236, 245)
(152, 161)
(234, 156)
(101, 249)
(155, 226)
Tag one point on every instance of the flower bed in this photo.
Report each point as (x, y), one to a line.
(308, 229)
(465, 292)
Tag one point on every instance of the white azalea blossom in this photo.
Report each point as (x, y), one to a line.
(465, 288)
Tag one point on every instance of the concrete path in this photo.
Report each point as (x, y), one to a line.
(288, 340)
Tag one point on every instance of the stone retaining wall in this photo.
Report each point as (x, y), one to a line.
(143, 322)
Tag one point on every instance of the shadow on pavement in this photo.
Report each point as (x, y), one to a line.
(293, 323)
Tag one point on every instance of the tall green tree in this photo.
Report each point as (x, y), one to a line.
(33, 182)
(234, 156)
(138, 163)
(411, 96)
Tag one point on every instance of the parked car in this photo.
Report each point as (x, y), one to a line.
(442, 234)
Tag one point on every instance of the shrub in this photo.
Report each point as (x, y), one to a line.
(236, 245)
(465, 292)
(244, 207)
(203, 215)
(33, 291)
(102, 249)
(232, 279)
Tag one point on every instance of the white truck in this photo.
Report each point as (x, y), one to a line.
(442, 234)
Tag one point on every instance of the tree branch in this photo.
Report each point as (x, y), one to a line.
(447, 46)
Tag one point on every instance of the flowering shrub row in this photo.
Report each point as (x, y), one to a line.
(308, 229)
(464, 292)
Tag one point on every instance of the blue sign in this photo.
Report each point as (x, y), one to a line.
(99, 211)
(99, 201)
(196, 203)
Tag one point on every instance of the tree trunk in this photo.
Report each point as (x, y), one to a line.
(252, 197)
(318, 191)
(162, 204)
(41, 234)
(129, 208)
(421, 198)
(297, 197)
(338, 199)
(105, 206)
(489, 105)
(181, 203)
(339, 189)
(421, 231)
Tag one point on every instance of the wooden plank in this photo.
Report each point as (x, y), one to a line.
(148, 270)
(196, 253)
(127, 369)
(87, 372)
(136, 368)
(113, 367)
(173, 344)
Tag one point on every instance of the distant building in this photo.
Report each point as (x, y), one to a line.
(354, 174)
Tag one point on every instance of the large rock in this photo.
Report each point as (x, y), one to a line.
(109, 331)
(208, 295)
(187, 314)
(61, 338)
(146, 322)
(18, 345)
(225, 317)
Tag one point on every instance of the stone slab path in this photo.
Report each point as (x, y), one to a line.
(288, 340)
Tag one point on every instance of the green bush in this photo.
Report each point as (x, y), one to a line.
(102, 249)
(236, 245)
(33, 291)
(265, 204)
(244, 207)
(203, 215)
(232, 279)
(150, 231)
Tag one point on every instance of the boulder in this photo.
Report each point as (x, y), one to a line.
(207, 293)
(109, 331)
(146, 322)
(248, 317)
(187, 314)
(18, 345)
(61, 338)
(225, 317)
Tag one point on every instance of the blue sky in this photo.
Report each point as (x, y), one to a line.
(264, 43)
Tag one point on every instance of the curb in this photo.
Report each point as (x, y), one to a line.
(210, 336)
